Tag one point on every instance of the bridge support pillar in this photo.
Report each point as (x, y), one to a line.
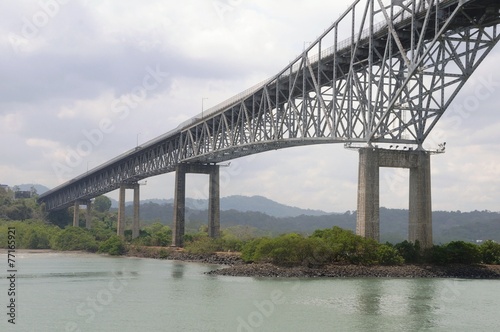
(136, 223)
(180, 200)
(368, 215)
(120, 230)
(88, 215)
(421, 202)
(120, 227)
(214, 203)
(420, 214)
(76, 214)
(179, 206)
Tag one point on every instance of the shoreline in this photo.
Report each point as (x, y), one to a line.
(408, 271)
(232, 265)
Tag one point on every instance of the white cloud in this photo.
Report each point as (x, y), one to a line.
(61, 82)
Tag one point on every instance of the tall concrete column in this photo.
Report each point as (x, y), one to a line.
(214, 204)
(179, 206)
(180, 200)
(136, 223)
(76, 215)
(420, 226)
(368, 216)
(88, 215)
(120, 228)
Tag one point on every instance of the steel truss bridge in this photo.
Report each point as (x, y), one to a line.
(384, 72)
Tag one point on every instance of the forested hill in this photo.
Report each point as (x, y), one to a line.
(447, 226)
(243, 204)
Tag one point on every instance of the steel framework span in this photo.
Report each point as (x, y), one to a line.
(390, 81)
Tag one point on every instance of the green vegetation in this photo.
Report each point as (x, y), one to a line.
(115, 246)
(199, 243)
(334, 245)
(338, 246)
(37, 230)
(75, 238)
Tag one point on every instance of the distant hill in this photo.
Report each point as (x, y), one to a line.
(27, 187)
(447, 226)
(265, 205)
(242, 204)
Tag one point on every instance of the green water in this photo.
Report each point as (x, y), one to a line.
(79, 292)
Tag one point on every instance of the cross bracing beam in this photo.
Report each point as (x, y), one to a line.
(390, 81)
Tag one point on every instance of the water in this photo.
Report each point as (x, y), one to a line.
(80, 292)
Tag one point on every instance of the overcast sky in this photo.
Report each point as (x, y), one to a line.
(71, 71)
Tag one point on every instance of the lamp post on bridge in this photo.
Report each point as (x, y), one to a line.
(202, 104)
(137, 141)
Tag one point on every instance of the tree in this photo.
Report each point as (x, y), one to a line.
(102, 203)
(61, 218)
(114, 246)
(19, 211)
(410, 251)
(388, 255)
(490, 252)
(75, 238)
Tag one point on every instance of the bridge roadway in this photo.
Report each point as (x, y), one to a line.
(390, 81)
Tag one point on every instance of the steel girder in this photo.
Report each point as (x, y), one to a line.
(389, 82)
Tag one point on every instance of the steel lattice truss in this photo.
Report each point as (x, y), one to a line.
(389, 82)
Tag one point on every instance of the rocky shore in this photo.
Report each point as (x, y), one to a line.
(221, 258)
(235, 267)
(357, 271)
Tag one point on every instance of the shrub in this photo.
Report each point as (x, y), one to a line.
(249, 249)
(436, 255)
(75, 238)
(460, 252)
(490, 252)
(113, 246)
(203, 245)
(409, 251)
(388, 255)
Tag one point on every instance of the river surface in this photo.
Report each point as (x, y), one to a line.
(83, 292)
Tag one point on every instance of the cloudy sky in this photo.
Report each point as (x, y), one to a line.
(71, 71)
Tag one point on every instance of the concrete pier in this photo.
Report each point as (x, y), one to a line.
(368, 214)
(120, 229)
(76, 214)
(420, 227)
(88, 215)
(180, 200)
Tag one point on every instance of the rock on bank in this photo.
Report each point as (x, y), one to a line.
(357, 271)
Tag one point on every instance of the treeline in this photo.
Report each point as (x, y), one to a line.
(447, 226)
(35, 234)
(337, 245)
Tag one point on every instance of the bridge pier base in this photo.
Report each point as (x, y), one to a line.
(180, 200)
(420, 206)
(88, 215)
(120, 229)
